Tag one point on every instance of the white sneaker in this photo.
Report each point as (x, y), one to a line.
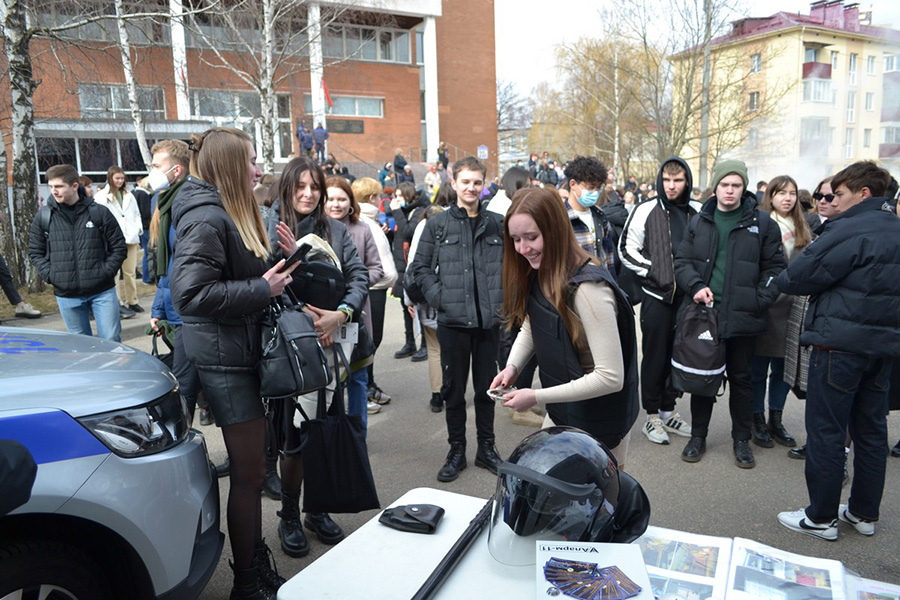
(28, 311)
(798, 521)
(675, 424)
(860, 525)
(372, 407)
(655, 431)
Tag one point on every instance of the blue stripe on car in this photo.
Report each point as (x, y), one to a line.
(51, 436)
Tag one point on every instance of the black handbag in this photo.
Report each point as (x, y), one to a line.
(292, 361)
(319, 282)
(167, 359)
(336, 471)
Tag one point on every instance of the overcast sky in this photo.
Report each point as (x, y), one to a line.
(527, 31)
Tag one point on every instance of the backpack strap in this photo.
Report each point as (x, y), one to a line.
(439, 236)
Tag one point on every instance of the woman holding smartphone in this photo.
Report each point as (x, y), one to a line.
(574, 318)
(222, 278)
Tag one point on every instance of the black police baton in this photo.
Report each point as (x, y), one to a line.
(448, 563)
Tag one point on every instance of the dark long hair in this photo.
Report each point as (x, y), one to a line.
(561, 257)
(802, 233)
(287, 186)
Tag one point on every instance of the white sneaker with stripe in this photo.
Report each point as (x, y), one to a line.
(799, 522)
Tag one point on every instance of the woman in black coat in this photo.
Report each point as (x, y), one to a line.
(300, 205)
(221, 280)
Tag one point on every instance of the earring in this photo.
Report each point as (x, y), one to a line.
(351, 211)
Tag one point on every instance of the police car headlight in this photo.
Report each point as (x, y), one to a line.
(143, 430)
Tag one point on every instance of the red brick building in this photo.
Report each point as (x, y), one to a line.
(400, 74)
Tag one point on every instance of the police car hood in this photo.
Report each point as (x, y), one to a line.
(78, 374)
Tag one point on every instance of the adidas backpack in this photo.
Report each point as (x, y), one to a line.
(698, 356)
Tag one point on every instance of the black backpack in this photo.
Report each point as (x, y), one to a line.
(698, 355)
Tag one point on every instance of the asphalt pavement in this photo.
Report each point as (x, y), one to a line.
(407, 445)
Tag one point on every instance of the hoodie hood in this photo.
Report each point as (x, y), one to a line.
(685, 196)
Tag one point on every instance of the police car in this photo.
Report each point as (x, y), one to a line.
(125, 503)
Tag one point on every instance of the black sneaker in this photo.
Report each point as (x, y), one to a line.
(743, 455)
(136, 307)
(456, 462)
(799, 452)
(694, 450)
(126, 313)
(895, 451)
(406, 351)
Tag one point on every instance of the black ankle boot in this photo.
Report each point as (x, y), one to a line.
(761, 435)
(487, 457)
(247, 585)
(437, 403)
(265, 564)
(290, 531)
(456, 462)
(324, 527)
(779, 433)
(272, 483)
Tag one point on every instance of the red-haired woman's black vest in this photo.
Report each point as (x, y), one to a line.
(610, 416)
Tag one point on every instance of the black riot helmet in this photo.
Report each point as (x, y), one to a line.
(561, 484)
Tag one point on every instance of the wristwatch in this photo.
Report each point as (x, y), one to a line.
(345, 308)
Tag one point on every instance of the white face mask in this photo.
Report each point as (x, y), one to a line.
(159, 181)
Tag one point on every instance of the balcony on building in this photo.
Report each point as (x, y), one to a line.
(816, 70)
(888, 150)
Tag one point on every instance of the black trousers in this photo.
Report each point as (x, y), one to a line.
(657, 336)
(377, 302)
(6, 282)
(459, 346)
(738, 352)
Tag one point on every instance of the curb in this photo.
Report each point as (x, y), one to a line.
(131, 328)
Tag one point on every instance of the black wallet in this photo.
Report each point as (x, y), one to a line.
(415, 518)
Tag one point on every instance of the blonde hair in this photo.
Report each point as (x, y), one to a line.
(364, 187)
(221, 158)
(176, 149)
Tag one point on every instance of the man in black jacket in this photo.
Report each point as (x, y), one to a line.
(852, 275)
(78, 247)
(647, 247)
(730, 256)
(463, 285)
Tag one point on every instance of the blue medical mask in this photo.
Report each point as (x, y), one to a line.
(588, 199)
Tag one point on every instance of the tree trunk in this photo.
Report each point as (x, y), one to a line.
(24, 175)
(7, 237)
(267, 88)
(128, 69)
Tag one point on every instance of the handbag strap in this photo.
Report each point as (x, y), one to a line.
(337, 399)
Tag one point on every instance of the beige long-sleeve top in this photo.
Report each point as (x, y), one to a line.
(604, 369)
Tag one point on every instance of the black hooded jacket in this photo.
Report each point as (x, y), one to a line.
(216, 283)
(652, 235)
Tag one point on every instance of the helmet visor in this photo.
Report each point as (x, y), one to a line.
(530, 506)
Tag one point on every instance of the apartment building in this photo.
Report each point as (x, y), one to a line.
(826, 87)
(381, 75)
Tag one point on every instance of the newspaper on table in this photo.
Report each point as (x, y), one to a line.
(859, 588)
(760, 572)
(591, 571)
(686, 565)
(701, 567)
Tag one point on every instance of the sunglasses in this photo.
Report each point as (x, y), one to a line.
(826, 197)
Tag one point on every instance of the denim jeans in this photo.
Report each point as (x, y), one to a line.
(145, 261)
(844, 390)
(357, 395)
(778, 387)
(104, 305)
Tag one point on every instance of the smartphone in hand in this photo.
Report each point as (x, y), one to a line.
(297, 256)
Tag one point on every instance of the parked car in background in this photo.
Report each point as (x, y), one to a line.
(125, 503)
